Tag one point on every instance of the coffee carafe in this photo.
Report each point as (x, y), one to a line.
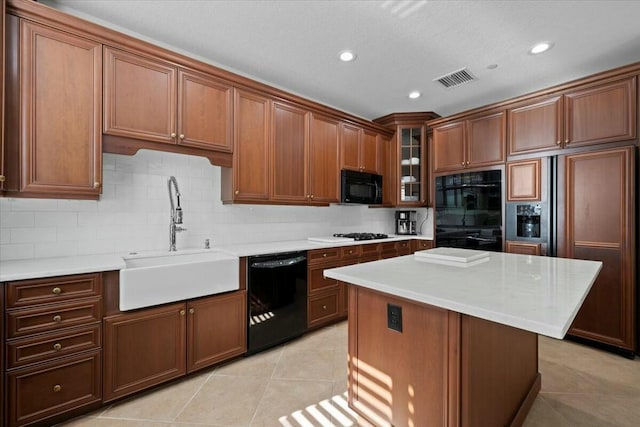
(406, 222)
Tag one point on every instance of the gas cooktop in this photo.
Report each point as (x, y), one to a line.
(362, 236)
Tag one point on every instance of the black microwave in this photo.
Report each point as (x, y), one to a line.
(360, 187)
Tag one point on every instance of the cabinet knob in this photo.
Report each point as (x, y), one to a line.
(312, 196)
(2, 178)
(237, 192)
(467, 162)
(192, 310)
(57, 318)
(558, 142)
(57, 388)
(324, 255)
(182, 312)
(462, 164)
(324, 307)
(57, 346)
(96, 184)
(56, 290)
(566, 141)
(182, 136)
(173, 134)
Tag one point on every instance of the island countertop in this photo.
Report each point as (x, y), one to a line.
(534, 293)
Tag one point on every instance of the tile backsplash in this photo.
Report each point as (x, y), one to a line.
(133, 214)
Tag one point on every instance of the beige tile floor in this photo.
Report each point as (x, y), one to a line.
(303, 384)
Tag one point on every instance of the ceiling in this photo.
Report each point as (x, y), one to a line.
(401, 45)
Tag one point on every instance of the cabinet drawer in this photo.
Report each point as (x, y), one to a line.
(52, 317)
(422, 245)
(57, 344)
(349, 252)
(324, 308)
(317, 282)
(45, 291)
(369, 250)
(404, 247)
(318, 256)
(37, 393)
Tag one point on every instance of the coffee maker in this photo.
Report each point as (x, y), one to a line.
(406, 222)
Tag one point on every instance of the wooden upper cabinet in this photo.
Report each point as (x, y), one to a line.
(448, 147)
(524, 180)
(248, 180)
(370, 152)
(359, 149)
(536, 126)
(350, 137)
(205, 111)
(474, 142)
(486, 140)
(140, 97)
(55, 141)
(604, 113)
(289, 155)
(584, 116)
(324, 172)
(153, 100)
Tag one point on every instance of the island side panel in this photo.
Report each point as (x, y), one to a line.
(499, 373)
(400, 378)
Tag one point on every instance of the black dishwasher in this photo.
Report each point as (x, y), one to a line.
(277, 286)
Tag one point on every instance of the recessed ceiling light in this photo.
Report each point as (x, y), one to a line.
(492, 66)
(415, 94)
(540, 48)
(347, 56)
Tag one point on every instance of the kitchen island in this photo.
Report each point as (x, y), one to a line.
(455, 345)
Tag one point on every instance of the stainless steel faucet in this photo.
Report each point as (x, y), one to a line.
(176, 214)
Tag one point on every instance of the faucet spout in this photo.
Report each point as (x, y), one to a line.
(176, 213)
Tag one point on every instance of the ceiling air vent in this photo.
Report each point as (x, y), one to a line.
(456, 78)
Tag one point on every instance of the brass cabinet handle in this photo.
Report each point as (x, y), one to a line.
(96, 184)
(56, 290)
(57, 388)
(566, 141)
(57, 318)
(182, 312)
(324, 255)
(2, 178)
(173, 134)
(558, 142)
(312, 196)
(57, 346)
(324, 307)
(467, 162)
(182, 136)
(237, 192)
(462, 164)
(192, 310)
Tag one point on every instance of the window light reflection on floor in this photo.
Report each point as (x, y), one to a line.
(333, 412)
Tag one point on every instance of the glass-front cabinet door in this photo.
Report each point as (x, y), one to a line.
(412, 176)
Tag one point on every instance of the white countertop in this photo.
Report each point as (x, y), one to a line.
(59, 266)
(533, 293)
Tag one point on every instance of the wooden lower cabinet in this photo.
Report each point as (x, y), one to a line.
(216, 329)
(43, 391)
(421, 245)
(151, 346)
(143, 348)
(443, 369)
(52, 350)
(524, 248)
(323, 308)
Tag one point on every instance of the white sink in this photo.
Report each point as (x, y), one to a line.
(158, 278)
